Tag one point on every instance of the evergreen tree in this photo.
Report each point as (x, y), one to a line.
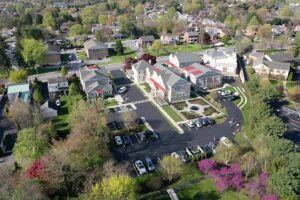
(4, 59)
(119, 47)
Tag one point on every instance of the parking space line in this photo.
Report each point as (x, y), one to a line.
(298, 126)
(295, 121)
(137, 138)
(135, 170)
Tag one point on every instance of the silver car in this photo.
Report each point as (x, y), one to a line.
(149, 164)
(140, 167)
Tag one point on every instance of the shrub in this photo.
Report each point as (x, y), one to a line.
(209, 111)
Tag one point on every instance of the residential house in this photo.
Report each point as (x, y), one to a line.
(201, 76)
(18, 92)
(191, 37)
(139, 70)
(145, 41)
(168, 39)
(164, 82)
(95, 82)
(180, 60)
(49, 109)
(214, 32)
(52, 55)
(275, 66)
(279, 29)
(95, 50)
(222, 59)
(58, 86)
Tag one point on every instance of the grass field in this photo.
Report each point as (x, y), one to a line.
(81, 55)
(120, 59)
(172, 113)
(61, 121)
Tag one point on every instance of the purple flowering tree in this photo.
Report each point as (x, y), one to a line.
(207, 165)
(270, 197)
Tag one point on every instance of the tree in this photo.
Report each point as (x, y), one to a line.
(74, 89)
(265, 31)
(117, 187)
(21, 114)
(49, 20)
(139, 9)
(5, 64)
(52, 130)
(129, 61)
(157, 46)
(37, 95)
(271, 126)
(286, 11)
(90, 118)
(28, 189)
(77, 29)
(29, 147)
(102, 19)
(34, 51)
(33, 32)
(119, 47)
(149, 58)
(129, 119)
(170, 167)
(249, 163)
(28, 19)
(111, 168)
(226, 154)
(18, 76)
(127, 26)
(63, 71)
(254, 21)
(38, 19)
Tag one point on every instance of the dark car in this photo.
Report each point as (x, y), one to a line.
(183, 156)
(203, 122)
(212, 146)
(126, 140)
(152, 135)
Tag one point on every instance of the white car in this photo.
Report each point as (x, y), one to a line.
(58, 103)
(198, 124)
(226, 141)
(122, 90)
(118, 140)
(190, 124)
(140, 167)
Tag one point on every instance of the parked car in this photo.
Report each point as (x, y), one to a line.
(118, 140)
(194, 150)
(149, 164)
(203, 122)
(58, 103)
(190, 124)
(140, 167)
(142, 136)
(122, 90)
(226, 141)
(198, 124)
(212, 146)
(181, 155)
(207, 150)
(126, 140)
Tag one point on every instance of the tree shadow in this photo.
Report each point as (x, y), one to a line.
(211, 195)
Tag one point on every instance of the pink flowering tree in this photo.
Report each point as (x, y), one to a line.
(207, 165)
(36, 170)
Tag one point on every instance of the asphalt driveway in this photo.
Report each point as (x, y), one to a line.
(132, 94)
(119, 78)
(169, 140)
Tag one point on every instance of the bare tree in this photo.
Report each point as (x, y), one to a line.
(226, 154)
(129, 119)
(21, 114)
(170, 167)
(111, 168)
(249, 163)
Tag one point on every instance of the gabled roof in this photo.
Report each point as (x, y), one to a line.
(53, 49)
(93, 44)
(282, 57)
(98, 86)
(277, 65)
(148, 38)
(193, 33)
(187, 57)
(57, 80)
(215, 53)
(199, 70)
(168, 77)
(141, 65)
(87, 73)
(49, 105)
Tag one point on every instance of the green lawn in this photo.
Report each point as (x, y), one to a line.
(147, 88)
(172, 113)
(41, 70)
(61, 121)
(120, 59)
(188, 188)
(81, 55)
(110, 102)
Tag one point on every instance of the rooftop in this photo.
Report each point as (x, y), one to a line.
(16, 88)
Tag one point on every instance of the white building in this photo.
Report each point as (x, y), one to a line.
(222, 59)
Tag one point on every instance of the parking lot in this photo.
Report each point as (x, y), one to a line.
(169, 140)
(132, 94)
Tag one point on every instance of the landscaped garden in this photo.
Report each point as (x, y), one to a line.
(200, 102)
(180, 105)
(209, 111)
(110, 102)
(190, 115)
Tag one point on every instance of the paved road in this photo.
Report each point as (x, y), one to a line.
(170, 141)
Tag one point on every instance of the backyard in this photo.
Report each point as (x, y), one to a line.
(81, 55)
(121, 58)
(192, 185)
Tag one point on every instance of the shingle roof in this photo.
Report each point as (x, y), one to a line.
(87, 73)
(148, 38)
(169, 78)
(187, 57)
(57, 80)
(282, 57)
(193, 33)
(277, 65)
(49, 104)
(142, 64)
(214, 53)
(93, 44)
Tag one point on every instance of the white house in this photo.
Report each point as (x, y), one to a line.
(222, 59)
(139, 70)
(180, 60)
